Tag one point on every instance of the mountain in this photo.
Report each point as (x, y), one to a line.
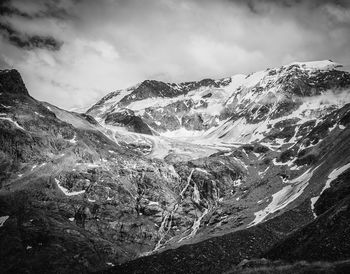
(191, 177)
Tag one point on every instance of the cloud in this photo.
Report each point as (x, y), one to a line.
(25, 41)
(14, 29)
(72, 52)
(338, 13)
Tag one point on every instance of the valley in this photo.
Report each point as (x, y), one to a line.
(197, 177)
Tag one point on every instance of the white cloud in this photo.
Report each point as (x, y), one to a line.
(114, 44)
(338, 13)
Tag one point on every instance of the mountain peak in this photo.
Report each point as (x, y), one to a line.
(317, 65)
(11, 83)
(150, 89)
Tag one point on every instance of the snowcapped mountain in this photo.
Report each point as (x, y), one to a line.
(267, 106)
(177, 174)
(209, 108)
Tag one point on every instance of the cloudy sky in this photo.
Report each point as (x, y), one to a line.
(72, 52)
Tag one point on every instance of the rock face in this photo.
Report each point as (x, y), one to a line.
(12, 83)
(149, 89)
(128, 119)
(177, 174)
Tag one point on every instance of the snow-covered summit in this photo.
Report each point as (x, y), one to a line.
(317, 65)
(205, 105)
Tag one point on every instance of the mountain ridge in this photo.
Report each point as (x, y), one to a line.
(226, 164)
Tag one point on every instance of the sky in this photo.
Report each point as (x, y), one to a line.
(72, 52)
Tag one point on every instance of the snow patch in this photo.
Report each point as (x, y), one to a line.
(195, 195)
(91, 165)
(274, 161)
(202, 170)
(331, 177)
(66, 191)
(313, 201)
(285, 196)
(333, 127)
(38, 114)
(317, 65)
(14, 122)
(334, 175)
(74, 139)
(3, 220)
(237, 182)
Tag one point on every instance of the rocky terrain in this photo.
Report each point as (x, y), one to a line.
(197, 177)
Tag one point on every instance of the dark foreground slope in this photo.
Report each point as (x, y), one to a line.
(68, 192)
(321, 246)
(218, 254)
(325, 239)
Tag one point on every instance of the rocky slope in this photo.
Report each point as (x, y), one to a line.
(199, 106)
(198, 175)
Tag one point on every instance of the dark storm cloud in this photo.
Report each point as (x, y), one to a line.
(21, 39)
(255, 5)
(263, 7)
(334, 12)
(49, 8)
(6, 9)
(27, 42)
(91, 47)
